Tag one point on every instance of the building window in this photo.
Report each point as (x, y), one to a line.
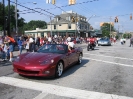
(69, 26)
(42, 34)
(54, 26)
(55, 19)
(85, 26)
(69, 18)
(80, 26)
(59, 18)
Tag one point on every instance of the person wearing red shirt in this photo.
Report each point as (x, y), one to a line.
(92, 40)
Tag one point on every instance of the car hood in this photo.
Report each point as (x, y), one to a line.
(34, 58)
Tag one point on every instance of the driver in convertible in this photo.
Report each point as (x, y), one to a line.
(70, 44)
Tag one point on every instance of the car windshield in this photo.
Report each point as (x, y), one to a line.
(104, 39)
(53, 48)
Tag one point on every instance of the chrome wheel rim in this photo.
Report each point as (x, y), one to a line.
(60, 69)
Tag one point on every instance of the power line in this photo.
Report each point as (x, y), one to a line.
(54, 8)
(38, 11)
(71, 5)
(30, 9)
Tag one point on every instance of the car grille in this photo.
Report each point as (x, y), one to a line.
(27, 72)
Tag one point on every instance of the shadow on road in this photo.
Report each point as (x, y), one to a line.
(5, 63)
(74, 68)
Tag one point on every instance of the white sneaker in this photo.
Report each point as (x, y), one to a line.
(10, 60)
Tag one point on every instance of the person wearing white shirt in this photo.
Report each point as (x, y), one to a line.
(30, 44)
(31, 40)
(49, 39)
(70, 44)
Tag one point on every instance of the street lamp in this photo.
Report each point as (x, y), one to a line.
(16, 17)
(91, 17)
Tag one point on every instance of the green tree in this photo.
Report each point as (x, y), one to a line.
(1, 16)
(33, 24)
(37, 24)
(124, 35)
(12, 18)
(105, 28)
(127, 35)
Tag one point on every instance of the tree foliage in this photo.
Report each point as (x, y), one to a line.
(105, 28)
(33, 24)
(12, 18)
(1, 17)
(22, 25)
(127, 35)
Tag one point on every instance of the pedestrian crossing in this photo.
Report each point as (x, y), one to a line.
(57, 90)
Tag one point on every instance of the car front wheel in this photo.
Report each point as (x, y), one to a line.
(59, 69)
(80, 59)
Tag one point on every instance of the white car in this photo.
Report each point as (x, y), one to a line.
(104, 41)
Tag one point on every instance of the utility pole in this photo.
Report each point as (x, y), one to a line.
(75, 25)
(4, 17)
(16, 17)
(51, 26)
(110, 26)
(8, 33)
(118, 28)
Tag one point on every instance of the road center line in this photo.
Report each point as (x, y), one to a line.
(58, 90)
(109, 56)
(108, 62)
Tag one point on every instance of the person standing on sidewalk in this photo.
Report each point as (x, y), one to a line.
(31, 41)
(11, 42)
(27, 45)
(20, 45)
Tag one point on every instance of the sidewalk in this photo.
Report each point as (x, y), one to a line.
(15, 53)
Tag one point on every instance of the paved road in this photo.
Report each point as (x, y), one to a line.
(105, 73)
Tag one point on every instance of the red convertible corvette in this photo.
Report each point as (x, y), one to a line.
(49, 60)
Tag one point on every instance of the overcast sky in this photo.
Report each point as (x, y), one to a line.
(103, 9)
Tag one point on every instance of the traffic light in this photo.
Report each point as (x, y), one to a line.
(131, 17)
(77, 20)
(116, 19)
(72, 19)
(53, 1)
(48, 1)
(72, 2)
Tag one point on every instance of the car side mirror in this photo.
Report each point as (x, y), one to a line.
(72, 51)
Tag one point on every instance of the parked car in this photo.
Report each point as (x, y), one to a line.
(104, 41)
(49, 60)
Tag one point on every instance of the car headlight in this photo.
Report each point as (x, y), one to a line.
(47, 62)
